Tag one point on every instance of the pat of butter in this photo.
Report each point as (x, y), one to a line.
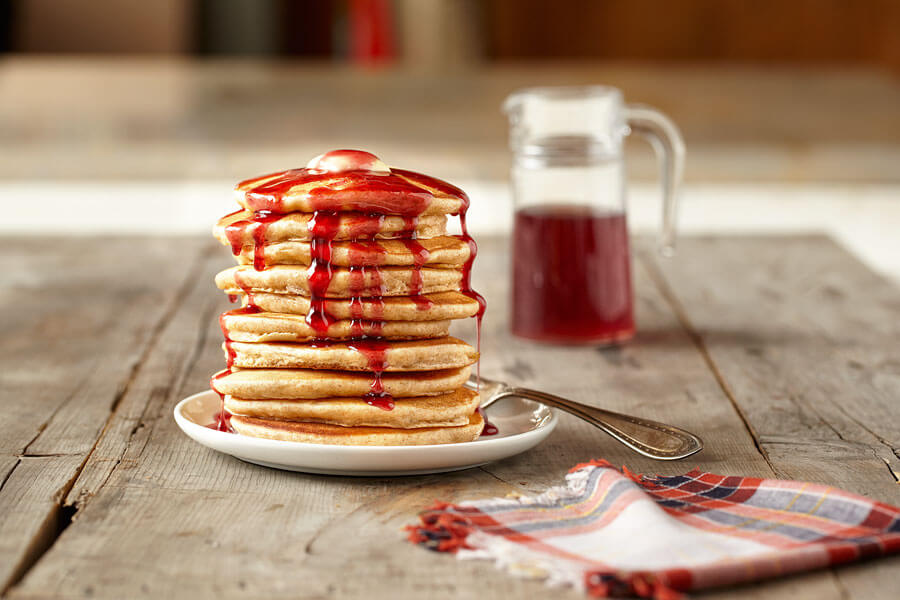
(348, 160)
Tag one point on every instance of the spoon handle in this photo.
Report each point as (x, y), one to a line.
(650, 438)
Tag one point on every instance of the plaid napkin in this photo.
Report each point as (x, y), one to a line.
(615, 533)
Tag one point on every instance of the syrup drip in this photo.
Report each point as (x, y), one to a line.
(245, 310)
(258, 226)
(420, 257)
(466, 284)
(222, 419)
(366, 254)
(364, 226)
(239, 281)
(489, 428)
(375, 351)
(323, 226)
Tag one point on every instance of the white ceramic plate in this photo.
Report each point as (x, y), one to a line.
(522, 425)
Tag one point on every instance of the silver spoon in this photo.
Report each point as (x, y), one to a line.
(650, 438)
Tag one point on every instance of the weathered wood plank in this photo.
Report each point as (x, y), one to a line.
(804, 338)
(174, 519)
(77, 319)
(31, 512)
(167, 517)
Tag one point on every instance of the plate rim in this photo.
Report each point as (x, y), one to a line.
(546, 427)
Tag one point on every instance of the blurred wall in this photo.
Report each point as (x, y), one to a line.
(441, 33)
(843, 31)
(100, 26)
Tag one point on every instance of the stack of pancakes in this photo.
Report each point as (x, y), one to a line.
(348, 282)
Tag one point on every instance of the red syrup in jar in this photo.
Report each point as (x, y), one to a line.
(571, 275)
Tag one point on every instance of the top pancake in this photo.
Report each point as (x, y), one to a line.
(237, 229)
(396, 192)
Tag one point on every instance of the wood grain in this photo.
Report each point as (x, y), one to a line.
(154, 514)
(76, 322)
(804, 339)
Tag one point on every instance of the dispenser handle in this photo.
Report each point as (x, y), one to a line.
(666, 140)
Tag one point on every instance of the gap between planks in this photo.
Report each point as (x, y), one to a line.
(64, 511)
(669, 295)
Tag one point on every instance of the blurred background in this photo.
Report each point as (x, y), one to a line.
(124, 116)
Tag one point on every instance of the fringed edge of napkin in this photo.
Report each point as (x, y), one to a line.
(446, 527)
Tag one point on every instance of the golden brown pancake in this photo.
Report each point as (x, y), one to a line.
(336, 193)
(295, 227)
(365, 355)
(440, 251)
(444, 410)
(320, 433)
(277, 327)
(443, 305)
(344, 283)
(262, 384)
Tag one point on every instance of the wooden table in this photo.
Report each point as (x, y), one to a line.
(782, 353)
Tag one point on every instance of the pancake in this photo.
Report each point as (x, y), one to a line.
(275, 327)
(362, 355)
(444, 410)
(320, 433)
(295, 227)
(441, 306)
(262, 384)
(440, 251)
(397, 192)
(344, 283)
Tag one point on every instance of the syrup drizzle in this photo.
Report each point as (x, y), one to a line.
(466, 284)
(420, 257)
(222, 419)
(245, 288)
(398, 192)
(375, 351)
(258, 226)
(323, 227)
